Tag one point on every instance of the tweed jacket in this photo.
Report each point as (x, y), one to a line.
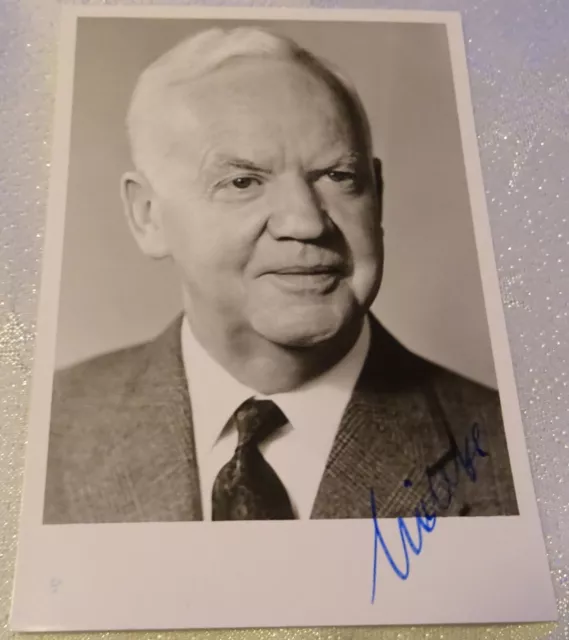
(121, 446)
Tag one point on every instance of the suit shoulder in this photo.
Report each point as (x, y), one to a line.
(100, 373)
(471, 408)
(454, 389)
(98, 390)
(398, 368)
(85, 393)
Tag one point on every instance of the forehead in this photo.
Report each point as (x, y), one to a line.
(256, 105)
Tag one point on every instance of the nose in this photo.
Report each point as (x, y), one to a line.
(297, 213)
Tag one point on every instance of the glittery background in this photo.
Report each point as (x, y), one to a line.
(518, 53)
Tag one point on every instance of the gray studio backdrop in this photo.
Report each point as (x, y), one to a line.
(431, 297)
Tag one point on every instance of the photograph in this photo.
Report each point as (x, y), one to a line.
(269, 295)
(244, 157)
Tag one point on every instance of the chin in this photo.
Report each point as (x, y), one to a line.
(290, 330)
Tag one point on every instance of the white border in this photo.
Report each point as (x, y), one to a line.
(178, 575)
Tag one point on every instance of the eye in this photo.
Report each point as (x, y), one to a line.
(341, 176)
(244, 182)
(239, 187)
(348, 182)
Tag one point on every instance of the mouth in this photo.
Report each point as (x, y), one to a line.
(307, 279)
(308, 271)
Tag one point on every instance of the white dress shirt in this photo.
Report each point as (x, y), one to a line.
(299, 451)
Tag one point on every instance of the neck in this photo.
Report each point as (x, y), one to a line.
(271, 368)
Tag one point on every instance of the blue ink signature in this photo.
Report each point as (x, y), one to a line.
(424, 519)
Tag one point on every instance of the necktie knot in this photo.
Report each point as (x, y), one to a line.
(257, 420)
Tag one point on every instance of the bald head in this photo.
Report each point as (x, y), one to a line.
(168, 91)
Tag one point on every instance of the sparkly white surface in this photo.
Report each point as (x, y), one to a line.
(518, 53)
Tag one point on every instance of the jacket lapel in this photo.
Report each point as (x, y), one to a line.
(158, 405)
(380, 441)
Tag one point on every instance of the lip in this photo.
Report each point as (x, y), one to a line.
(317, 279)
(308, 271)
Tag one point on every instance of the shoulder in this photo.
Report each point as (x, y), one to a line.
(430, 408)
(104, 416)
(95, 393)
(396, 367)
(415, 386)
(461, 394)
(89, 398)
(99, 376)
(114, 377)
(88, 393)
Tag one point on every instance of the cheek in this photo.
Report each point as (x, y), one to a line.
(207, 241)
(359, 221)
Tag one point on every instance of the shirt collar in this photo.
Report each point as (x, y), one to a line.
(215, 394)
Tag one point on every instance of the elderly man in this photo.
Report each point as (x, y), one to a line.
(275, 395)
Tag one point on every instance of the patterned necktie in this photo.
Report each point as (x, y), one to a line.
(247, 487)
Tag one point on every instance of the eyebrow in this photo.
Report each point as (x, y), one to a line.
(350, 159)
(224, 161)
(234, 162)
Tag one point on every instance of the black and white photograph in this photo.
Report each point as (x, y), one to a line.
(275, 392)
(272, 298)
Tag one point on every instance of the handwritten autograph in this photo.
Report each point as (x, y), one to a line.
(425, 520)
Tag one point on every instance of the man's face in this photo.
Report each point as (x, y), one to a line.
(269, 205)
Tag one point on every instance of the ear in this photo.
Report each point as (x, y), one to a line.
(143, 214)
(378, 178)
